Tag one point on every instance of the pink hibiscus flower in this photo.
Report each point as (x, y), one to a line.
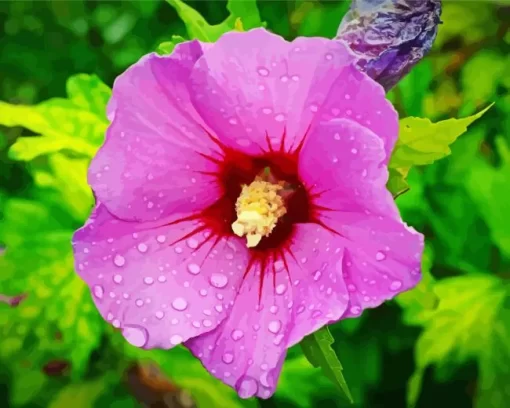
(241, 202)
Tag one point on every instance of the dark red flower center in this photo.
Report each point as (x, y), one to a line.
(237, 169)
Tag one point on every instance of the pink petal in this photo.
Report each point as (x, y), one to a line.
(247, 350)
(152, 163)
(382, 258)
(254, 84)
(315, 268)
(346, 172)
(341, 163)
(160, 283)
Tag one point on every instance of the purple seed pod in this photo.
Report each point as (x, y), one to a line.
(390, 36)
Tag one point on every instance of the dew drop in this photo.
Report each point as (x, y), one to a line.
(266, 111)
(176, 339)
(160, 314)
(280, 289)
(354, 150)
(119, 260)
(275, 326)
(161, 239)
(395, 285)
(328, 56)
(148, 280)
(194, 269)
(218, 280)
(192, 243)
(228, 358)
(117, 278)
(379, 256)
(135, 335)
(237, 335)
(280, 117)
(263, 72)
(317, 276)
(246, 387)
(179, 304)
(98, 291)
(355, 310)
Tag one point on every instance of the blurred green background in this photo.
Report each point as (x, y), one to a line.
(444, 344)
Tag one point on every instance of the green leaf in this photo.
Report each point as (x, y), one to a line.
(57, 320)
(472, 322)
(167, 47)
(318, 351)
(198, 28)
(488, 188)
(77, 123)
(422, 142)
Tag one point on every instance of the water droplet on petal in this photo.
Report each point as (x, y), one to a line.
(317, 276)
(275, 326)
(237, 335)
(148, 280)
(117, 278)
(228, 358)
(246, 387)
(380, 256)
(176, 339)
(280, 289)
(263, 71)
(329, 56)
(161, 239)
(218, 280)
(179, 304)
(395, 285)
(194, 269)
(135, 335)
(267, 379)
(355, 310)
(280, 117)
(160, 314)
(119, 260)
(98, 291)
(192, 243)
(354, 150)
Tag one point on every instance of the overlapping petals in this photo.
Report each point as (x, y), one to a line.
(159, 270)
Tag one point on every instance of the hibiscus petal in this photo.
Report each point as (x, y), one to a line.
(349, 194)
(157, 158)
(249, 94)
(382, 258)
(341, 163)
(160, 284)
(315, 267)
(247, 349)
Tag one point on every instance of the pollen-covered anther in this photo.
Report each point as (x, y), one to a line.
(258, 209)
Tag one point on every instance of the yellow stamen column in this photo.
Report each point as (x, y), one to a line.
(258, 208)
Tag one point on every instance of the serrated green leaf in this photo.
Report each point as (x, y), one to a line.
(77, 123)
(167, 47)
(471, 322)
(422, 142)
(198, 28)
(317, 349)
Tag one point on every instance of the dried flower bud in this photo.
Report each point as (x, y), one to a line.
(390, 36)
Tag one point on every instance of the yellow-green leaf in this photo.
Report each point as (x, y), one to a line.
(198, 27)
(421, 142)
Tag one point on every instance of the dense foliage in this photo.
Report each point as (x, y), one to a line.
(446, 343)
